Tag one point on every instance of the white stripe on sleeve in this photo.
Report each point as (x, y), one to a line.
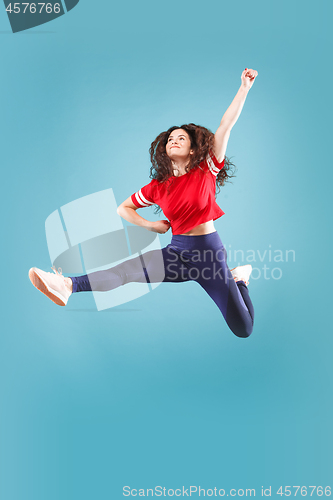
(141, 204)
(139, 198)
(212, 167)
(144, 199)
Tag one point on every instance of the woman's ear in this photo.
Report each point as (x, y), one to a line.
(191, 151)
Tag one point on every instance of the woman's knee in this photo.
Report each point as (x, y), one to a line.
(242, 329)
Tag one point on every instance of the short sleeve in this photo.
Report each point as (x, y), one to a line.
(213, 164)
(145, 196)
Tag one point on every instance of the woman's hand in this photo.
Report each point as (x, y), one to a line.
(248, 77)
(160, 226)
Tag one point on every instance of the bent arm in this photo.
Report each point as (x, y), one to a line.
(232, 114)
(127, 210)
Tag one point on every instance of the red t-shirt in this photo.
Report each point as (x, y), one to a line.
(191, 197)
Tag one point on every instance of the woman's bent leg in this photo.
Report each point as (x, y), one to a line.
(240, 312)
(232, 299)
(211, 271)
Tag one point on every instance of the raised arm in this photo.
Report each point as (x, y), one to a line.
(231, 115)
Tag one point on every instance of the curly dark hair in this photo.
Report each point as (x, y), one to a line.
(202, 141)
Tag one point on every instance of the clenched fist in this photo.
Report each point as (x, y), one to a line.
(160, 226)
(248, 77)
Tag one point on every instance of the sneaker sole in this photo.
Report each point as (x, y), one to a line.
(40, 284)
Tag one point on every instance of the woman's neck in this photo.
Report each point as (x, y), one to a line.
(179, 167)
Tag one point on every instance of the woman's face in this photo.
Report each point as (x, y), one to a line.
(178, 146)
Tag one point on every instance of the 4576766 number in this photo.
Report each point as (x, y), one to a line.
(304, 491)
(32, 8)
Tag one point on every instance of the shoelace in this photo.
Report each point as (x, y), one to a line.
(58, 272)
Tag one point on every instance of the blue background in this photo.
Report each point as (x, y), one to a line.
(158, 391)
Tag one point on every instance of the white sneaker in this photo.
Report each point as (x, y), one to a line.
(52, 285)
(242, 273)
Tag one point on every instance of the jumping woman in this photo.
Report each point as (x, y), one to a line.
(188, 162)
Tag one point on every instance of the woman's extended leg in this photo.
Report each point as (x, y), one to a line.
(155, 266)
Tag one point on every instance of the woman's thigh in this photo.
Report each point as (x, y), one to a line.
(217, 280)
(165, 266)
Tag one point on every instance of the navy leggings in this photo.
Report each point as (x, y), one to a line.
(187, 258)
